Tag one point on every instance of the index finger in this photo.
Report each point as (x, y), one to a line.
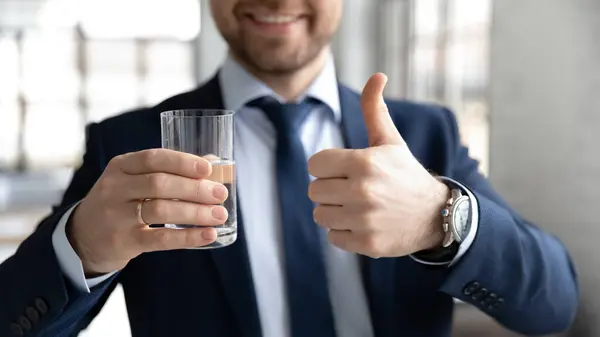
(330, 163)
(165, 161)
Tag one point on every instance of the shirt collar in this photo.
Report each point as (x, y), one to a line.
(238, 87)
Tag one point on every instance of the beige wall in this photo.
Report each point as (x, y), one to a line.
(545, 123)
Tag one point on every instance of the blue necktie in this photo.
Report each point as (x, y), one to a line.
(311, 314)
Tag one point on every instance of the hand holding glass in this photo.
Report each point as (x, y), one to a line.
(209, 134)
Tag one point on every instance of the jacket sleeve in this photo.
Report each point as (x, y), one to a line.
(36, 299)
(514, 272)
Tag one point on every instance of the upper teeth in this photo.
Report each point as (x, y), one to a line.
(275, 19)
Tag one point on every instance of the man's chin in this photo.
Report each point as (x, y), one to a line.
(276, 59)
(281, 67)
(276, 63)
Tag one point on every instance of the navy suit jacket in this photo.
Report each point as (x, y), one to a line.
(514, 272)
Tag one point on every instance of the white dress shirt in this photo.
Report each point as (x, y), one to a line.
(254, 151)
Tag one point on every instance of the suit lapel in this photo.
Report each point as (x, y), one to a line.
(232, 262)
(378, 274)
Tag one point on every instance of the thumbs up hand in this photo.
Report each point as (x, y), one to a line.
(379, 201)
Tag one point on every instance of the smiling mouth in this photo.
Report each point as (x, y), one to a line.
(274, 19)
(274, 24)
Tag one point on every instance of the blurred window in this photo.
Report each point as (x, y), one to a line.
(9, 102)
(78, 63)
(444, 55)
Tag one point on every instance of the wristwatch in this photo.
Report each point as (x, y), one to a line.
(457, 218)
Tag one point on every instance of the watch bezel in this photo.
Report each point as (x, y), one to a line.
(459, 237)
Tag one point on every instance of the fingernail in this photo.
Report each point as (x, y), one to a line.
(219, 213)
(219, 192)
(209, 234)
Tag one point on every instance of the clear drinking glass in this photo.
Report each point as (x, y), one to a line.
(209, 134)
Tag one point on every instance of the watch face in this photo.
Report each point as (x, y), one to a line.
(460, 218)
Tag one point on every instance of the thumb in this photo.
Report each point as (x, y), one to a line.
(380, 127)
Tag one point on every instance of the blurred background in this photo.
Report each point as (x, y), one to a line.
(522, 77)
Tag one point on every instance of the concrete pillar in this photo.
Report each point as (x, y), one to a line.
(545, 123)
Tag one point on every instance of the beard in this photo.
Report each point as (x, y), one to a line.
(277, 56)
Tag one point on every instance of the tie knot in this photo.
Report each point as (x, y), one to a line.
(285, 117)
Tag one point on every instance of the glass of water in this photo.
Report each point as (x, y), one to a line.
(209, 134)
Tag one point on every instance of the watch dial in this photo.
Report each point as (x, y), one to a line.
(461, 218)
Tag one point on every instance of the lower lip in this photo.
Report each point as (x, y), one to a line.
(273, 28)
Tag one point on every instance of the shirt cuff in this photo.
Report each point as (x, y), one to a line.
(69, 262)
(464, 246)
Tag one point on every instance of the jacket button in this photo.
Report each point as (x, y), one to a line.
(16, 329)
(489, 300)
(41, 306)
(479, 295)
(24, 323)
(498, 303)
(32, 314)
(471, 288)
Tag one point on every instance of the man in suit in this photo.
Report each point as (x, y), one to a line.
(343, 228)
